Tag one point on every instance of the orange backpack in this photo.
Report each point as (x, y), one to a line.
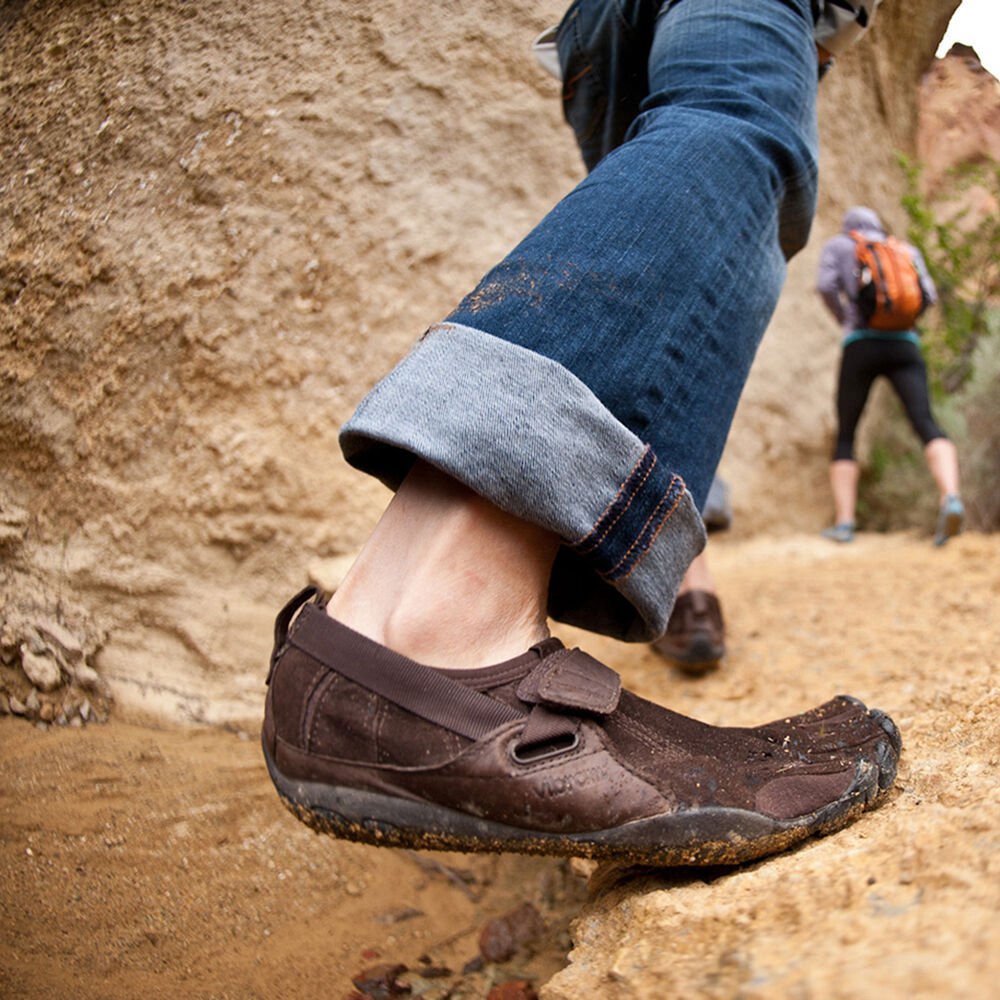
(890, 296)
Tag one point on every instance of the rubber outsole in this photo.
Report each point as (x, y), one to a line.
(950, 526)
(699, 657)
(705, 836)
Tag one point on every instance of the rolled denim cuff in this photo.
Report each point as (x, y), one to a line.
(527, 434)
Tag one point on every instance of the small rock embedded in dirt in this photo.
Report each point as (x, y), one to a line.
(473, 965)
(86, 677)
(41, 669)
(59, 638)
(398, 916)
(431, 971)
(381, 982)
(500, 938)
(513, 989)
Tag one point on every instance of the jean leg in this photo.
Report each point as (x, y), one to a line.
(653, 281)
(604, 55)
(607, 352)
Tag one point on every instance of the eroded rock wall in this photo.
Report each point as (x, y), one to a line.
(223, 221)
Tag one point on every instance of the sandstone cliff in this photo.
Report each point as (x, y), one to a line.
(223, 221)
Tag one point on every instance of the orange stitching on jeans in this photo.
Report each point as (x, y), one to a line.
(587, 543)
(568, 87)
(645, 548)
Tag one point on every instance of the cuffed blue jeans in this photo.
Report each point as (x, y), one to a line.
(587, 384)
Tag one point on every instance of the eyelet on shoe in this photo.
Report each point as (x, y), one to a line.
(551, 748)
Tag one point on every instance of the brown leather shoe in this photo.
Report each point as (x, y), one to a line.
(695, 639)
(545, 754)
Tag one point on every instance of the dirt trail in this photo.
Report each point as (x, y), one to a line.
(141, 860)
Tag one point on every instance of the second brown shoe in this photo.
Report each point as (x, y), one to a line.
(695, 639)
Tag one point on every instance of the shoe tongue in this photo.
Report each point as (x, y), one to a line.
(482, 678)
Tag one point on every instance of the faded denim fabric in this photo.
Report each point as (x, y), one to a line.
(604, 357)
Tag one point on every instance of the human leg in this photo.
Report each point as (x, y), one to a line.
(858, 370)
(942, 461)
(544, 752)
(616, 355)
(695, 637)
(446, 577)
(604, 58)
(844, 475)
(909, 378)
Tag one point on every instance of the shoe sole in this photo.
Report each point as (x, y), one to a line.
(701, 836)
(952, 526)
(701, 656)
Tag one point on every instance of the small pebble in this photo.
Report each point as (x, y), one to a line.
(86, 677)
(40, 668)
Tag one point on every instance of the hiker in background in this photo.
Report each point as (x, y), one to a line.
(876, 286)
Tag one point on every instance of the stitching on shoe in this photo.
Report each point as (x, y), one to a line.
(642, 733)
(474, 749)
(381, 714)
(324, 679)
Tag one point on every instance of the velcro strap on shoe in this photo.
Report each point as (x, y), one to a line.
(570, 678)
(419, 689)
(545, 726)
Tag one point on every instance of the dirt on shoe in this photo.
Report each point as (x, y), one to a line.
(546, 754)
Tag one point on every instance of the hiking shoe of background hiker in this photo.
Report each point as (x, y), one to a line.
(842, 533)
(546, 754)
(950, 518)
(695, 639)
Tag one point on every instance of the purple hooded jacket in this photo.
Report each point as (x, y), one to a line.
(837, 282)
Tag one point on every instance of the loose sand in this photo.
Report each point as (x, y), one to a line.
(138, 859)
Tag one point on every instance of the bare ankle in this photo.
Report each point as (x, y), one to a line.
(448, 579)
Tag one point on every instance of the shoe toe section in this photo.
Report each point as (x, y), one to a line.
(790, 796)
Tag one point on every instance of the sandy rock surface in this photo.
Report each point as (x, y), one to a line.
(224, 221)
(902, 904)
(142, 860)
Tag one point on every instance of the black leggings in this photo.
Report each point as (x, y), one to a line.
(901, 363)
